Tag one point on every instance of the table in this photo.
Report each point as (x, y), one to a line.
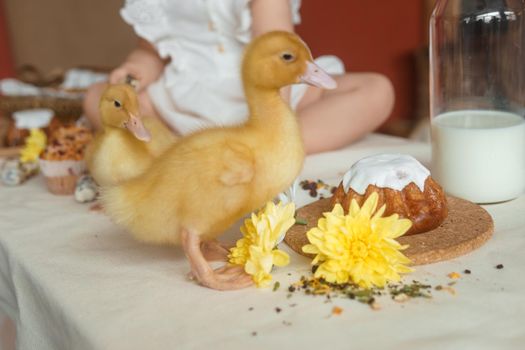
(70, 279)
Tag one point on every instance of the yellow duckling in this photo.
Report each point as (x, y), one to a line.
(126, 145)
(208, 180)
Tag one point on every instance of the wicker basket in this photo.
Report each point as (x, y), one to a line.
(65, 108)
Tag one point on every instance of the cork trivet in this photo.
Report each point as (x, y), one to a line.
(467, 227)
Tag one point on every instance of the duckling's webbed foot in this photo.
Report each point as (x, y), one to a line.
(213, 250)
(224, 278)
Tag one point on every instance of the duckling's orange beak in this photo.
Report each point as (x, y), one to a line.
(137, 128)
(317, 77)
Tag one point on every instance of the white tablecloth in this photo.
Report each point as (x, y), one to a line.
(70, 279)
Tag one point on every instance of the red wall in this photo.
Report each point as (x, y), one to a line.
(6, 63)
(372, 35)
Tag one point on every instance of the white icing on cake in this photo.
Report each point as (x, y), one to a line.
(393, 171)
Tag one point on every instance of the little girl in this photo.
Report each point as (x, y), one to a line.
(187, 64)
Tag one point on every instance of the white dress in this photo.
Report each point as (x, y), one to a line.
(201, 86)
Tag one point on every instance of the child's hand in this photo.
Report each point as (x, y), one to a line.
(128, 70)
(143, 64)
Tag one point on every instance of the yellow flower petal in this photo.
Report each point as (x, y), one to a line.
(34, 145)
(256, 251)
(310, 249)
(360, 246)
(379, 213)
(400, 227)
(370, 205)
(280, 258)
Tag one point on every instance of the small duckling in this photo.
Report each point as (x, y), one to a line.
(127, 144)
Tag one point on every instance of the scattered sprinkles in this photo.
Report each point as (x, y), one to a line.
(414, 290)
(446, 289)
(454, 275)
(336, 310)
(276, 285)
(375, 306)
(400, 298)
(399, 292)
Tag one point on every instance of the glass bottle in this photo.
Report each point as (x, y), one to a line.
(477, 98)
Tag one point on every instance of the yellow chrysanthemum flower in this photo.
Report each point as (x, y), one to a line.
(256, 251)
(359, 247)
(35, 144)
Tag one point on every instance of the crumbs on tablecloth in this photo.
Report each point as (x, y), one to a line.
(467, 272)
(254, 334)
(315, 187)
(276, 285)
(414, 290)
(446, 289)
(454, 275)
(499, 266)
(278, 309)
(375, 306)
(336, 310)
(399, 292)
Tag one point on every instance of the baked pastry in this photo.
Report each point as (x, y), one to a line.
(402, 183)
(62, 162)
(23, 121)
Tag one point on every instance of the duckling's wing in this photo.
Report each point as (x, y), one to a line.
(238, 164)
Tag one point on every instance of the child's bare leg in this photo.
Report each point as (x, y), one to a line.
(331, 119)
(92, 98)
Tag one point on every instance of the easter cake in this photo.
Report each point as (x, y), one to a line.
(402, 183)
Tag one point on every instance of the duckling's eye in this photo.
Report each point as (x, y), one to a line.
(117, 104)
(287, 57)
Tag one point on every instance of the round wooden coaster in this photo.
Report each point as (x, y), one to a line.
(467, 227)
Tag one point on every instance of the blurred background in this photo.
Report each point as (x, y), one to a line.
(39, 40)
